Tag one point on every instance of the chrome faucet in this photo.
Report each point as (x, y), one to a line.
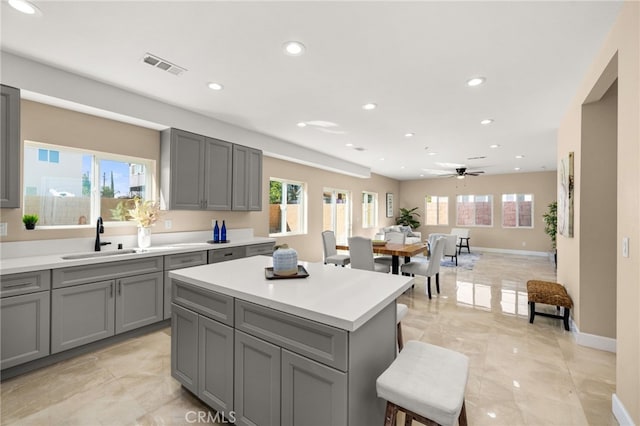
(99, 230)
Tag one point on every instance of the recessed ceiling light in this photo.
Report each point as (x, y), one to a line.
(24, 6)
(432, 153)
(409, 135)
(421, 175)
(381, 158)
(516, 168)
(494, 146)
(301, 124)
(215, 86)
(519, 156)
(349, 144)
(476, 81)
(402, 167)
(369, 106)
(487, 121)
(293, 48)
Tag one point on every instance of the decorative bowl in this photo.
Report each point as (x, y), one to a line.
(379, 242)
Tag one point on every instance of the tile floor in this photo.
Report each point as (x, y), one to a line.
(520, 374)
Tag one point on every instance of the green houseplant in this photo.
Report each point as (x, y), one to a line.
(407, 218)
(551, 226)
(30, 220)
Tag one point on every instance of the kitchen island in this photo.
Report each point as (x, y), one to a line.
(288, 351)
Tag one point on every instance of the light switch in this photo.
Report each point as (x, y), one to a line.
(3, 229)
(625, 246)
(168, 224)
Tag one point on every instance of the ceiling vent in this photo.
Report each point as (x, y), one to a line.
(162, 64)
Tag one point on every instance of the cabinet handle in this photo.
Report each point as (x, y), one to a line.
(228, 254)
(111, 289)
(119, 287)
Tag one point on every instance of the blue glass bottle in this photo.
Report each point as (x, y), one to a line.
(223, 233)
(216, 233)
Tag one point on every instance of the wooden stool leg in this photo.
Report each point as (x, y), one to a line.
(566, 318)
(399, 333)
(532, 311)
(462, 418)
(408, 419)
(390, 414)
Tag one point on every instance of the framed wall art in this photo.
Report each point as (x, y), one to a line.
(389, 204)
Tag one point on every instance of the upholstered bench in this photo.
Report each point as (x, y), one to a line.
(550, 294)
(427, 382)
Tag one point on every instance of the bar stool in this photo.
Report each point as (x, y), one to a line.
(427, 382)
(401, 312)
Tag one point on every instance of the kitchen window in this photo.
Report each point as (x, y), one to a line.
(437, 210)
(67, 186)
(517, 210)
(369, 209)
(474, 210)
(287, 207)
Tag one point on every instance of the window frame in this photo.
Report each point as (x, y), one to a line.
(365, 222)
(94, 176)
(426, 215)
(475, 225)
(518, 226)
(303, 211)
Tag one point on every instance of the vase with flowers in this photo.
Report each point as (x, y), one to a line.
(145, 213)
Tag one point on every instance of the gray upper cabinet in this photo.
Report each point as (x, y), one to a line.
(247, 178)
(10, 148)
(195, 171)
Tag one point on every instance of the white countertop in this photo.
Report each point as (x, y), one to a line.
(54, 261)
(340, 297)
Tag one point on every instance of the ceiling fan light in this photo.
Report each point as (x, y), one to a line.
(460, 177)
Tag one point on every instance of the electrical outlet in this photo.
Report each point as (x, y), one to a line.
(3, 229)
(213, 223)
(625, 246)
(168, 224)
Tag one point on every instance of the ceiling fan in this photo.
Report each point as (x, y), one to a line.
(461, 172)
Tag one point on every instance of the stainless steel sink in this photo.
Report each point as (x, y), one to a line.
(97, 254)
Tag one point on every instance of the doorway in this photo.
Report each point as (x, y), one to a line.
(336, 213)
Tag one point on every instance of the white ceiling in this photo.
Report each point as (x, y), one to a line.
(410, 58)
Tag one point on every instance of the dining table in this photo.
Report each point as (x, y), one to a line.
(395, 250)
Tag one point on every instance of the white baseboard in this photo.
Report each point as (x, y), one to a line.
(620, 413)
(593, 341)
(509, 251)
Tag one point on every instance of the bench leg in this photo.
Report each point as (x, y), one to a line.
(532, 311)
(567, 311)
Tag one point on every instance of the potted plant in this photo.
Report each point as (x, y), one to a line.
(407, 218)
(30, 220)
(551, 226)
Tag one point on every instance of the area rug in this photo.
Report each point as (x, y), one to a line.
(465, 260)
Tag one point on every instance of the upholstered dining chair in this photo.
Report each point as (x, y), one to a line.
(428, 269)
(450, 248)
(361, 253)
(330, 253)
(390, 237)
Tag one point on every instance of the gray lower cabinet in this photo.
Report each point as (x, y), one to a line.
(257, 381)
(86, 313)
(227, 253)
(139, 301)
(309, 389)
(82, 314)
(179, 261)
(10, 147)
(265, 249)
(215, 364)
(184, 347)
(24, 324)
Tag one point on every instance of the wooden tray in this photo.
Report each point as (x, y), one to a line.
(268, 274)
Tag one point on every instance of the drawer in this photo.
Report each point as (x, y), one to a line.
(74, 275)
(260, 249)
(206, 302)
(185, 260)
(23, 283)
(228, 253)
(319, 342)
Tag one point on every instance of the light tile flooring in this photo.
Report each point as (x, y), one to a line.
(520, 373)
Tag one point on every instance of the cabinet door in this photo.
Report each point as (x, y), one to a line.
(312, 393)
(184, 347)
(25, 328)
(81, 314)
(139, 301)
(254, 180)
(10, 148)
(240, 177)
(187, 171)
(218, 163)
(257, 381)
(215, 364)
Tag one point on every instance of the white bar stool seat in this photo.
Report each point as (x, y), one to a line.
(427, 382)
